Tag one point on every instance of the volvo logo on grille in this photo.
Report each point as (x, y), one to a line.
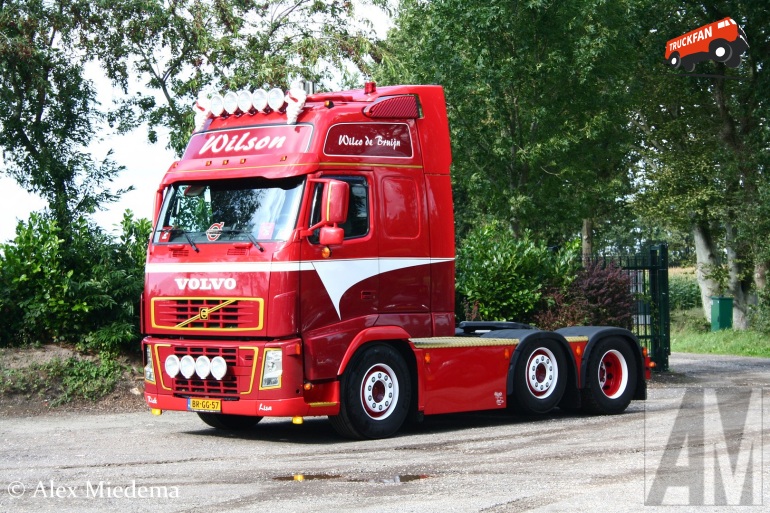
(205, 283)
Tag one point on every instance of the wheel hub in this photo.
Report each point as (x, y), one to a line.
(379, 391)
(542, 373)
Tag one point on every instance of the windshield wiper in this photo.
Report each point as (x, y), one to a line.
(186, 236)
(249, 235)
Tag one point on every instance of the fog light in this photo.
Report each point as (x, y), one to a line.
(272, 368)
(231, 102)
(172, 365)
(218, 367)
(187, 366)
(203, 367)
(259, 99)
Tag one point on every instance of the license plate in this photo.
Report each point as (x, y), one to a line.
(204, 404)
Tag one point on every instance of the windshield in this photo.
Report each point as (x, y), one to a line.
(255, 209)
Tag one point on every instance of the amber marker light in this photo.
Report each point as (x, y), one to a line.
(644, 352)
(225, 162)
(326, 252)
(578, 350)
(208, 162)
(426, 357)
(308, 386)
(243, 161)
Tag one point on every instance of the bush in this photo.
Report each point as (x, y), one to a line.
(598, 296)
(683, 291)
(503, 278)
(84, 290)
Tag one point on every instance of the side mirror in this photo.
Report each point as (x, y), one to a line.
(331, 236)
(334, 210)
(335, 202)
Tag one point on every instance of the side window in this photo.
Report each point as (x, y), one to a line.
(357, 223)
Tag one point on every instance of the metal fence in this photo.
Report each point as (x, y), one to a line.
(649, 283)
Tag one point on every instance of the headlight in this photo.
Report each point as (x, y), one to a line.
(172, 365)
(218, 367)
(203, 367)
(187, 366)
(149, 370)
(272, 368)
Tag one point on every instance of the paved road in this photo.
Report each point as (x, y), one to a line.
(474, 462)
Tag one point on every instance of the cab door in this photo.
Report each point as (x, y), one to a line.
(339, 285)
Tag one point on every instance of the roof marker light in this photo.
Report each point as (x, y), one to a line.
(217, 105)
(231, 102)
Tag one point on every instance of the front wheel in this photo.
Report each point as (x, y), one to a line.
(674, 60)
(539, 377)
(375, 394)
(229, 422)
(720, 50)
(611, 378)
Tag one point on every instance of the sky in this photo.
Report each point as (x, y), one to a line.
(145, 163)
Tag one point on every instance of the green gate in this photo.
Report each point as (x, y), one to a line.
(649, 283)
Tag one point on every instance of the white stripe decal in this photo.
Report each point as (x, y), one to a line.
(337, 276)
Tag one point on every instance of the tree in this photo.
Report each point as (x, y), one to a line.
(182, 48)
(703, 146)
(48, 110)
(537, 103)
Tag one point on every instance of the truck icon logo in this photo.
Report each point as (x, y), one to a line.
(721, 41)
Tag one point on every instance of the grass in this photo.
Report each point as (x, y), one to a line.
(63, 380)
(690, 333)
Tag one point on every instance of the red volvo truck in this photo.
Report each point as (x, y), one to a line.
(302, 264)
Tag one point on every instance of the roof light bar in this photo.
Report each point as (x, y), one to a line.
(244, 101)
(276, 99)
(217, 105)
(231, 102)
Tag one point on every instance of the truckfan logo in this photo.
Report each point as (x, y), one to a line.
(721, 41)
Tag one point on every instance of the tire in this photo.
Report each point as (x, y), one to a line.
(734, 61)
(720, 50)
(375, 394)
(229, 422)
(674, 61)
(610, 378)
(539, 378)
(689, 66)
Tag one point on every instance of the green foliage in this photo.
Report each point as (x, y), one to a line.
(537, 100)
(48, 110)
(759, 315)
(598, 296)
(738, 343)
(503, 276)
(85, 293)
(193, 47)
(64, 380)
(683, 291)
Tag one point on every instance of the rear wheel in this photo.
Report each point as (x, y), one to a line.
(375, 394)
(720, 50)
(229, 422)
(540, 377)
(611, 378)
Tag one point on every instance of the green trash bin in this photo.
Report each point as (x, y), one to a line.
(721, 313)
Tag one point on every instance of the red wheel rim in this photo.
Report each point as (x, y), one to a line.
(613, 374)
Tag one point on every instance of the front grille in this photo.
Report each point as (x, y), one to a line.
(221, 314)
(211, 387)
